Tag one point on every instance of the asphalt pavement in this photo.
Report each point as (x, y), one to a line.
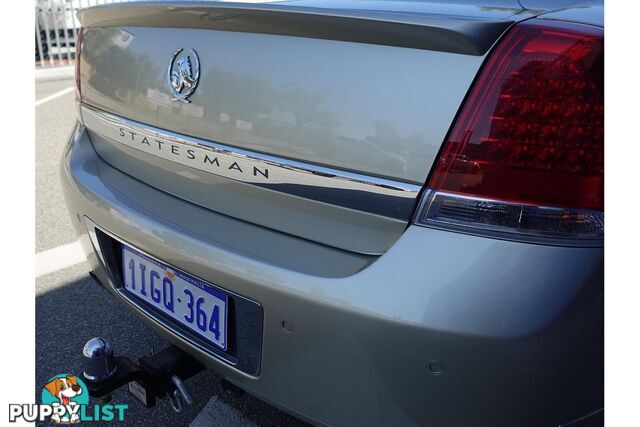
(71, 308)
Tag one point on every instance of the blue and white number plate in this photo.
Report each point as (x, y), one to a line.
(187, 300)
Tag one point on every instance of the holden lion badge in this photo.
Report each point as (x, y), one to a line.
(183, 74)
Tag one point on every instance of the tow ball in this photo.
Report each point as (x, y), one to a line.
(153, 377)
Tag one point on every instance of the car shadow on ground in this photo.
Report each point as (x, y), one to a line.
(68, 315)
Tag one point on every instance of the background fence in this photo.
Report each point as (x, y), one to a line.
(57, 29)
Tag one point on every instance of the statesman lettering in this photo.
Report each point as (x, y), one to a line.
(197, 157)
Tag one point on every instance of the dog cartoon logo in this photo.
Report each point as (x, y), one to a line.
(68, 392)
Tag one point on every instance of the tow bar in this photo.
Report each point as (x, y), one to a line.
(154, 377)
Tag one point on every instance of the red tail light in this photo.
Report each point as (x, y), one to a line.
(526, 154)
(78, 49)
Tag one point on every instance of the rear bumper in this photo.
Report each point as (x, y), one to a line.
(443, 329)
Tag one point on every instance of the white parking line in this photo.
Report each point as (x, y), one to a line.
(55, 95)
(58, 258)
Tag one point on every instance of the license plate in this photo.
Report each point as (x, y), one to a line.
(187, 300)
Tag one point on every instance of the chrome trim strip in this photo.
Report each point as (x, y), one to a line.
(365, 193)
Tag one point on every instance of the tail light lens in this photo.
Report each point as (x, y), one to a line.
(78, 50)
(525, 158)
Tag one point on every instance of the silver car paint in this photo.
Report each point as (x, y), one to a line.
(590, 12)
(335, 225)
(373, 109)
(497, 316)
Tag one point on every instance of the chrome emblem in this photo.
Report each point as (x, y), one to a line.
(183, 74)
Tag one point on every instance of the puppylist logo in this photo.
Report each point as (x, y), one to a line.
(65, 400)
(64, 394)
